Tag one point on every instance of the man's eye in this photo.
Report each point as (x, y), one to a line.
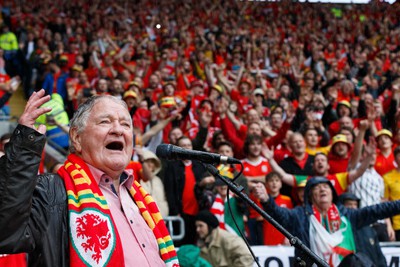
(104, 122)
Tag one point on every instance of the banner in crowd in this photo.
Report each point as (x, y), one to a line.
(283, 256)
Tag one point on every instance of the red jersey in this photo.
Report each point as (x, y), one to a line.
(256, 169)
(272, 236)
(242, 101)
(252, 170)
(337, 164)
(384, 164)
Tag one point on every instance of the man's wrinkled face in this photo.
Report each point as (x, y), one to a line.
(321, 194)
(106, 142)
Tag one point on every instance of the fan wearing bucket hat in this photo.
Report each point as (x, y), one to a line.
(218, 246)
(131, 99)
(385, 158)
(168, 109)
(339, 153)
(322, 223)
(216, 92)
(343, 108)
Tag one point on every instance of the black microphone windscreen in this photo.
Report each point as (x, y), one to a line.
(163, 151)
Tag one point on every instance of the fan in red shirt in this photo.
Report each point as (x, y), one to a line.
(385, 158)
(242, 96)
(255, 169)
(272, 236)
(339, 154)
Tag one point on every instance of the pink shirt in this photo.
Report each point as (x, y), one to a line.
(138, 241)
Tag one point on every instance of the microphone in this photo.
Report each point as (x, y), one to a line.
(171, 152)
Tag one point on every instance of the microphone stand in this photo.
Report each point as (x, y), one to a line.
(294, 240)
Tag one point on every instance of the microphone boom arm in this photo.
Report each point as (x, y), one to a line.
(294, 240)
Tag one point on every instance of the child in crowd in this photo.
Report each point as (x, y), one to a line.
(273, 184)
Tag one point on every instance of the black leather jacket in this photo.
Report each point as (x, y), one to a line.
(33, 209)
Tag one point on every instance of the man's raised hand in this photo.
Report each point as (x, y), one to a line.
(33, 110)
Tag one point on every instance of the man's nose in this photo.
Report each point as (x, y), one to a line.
(117, 128)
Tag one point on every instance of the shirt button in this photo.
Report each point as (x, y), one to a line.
(131, 221)
(143, 245)
(31, 137)
(17, 131)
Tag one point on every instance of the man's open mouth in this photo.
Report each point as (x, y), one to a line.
(115, 146)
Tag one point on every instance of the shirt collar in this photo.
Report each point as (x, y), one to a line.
(126, 176)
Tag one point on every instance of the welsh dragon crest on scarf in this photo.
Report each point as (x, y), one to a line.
(94, 239)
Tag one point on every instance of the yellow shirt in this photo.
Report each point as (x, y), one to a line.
(323, 149)
(392, 192)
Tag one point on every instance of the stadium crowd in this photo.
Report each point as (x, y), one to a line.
(294, 90)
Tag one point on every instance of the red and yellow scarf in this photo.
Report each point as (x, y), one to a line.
(94, 239)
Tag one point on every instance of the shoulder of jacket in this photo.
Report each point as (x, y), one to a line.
(51, 186)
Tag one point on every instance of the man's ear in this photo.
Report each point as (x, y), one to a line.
(75, 140)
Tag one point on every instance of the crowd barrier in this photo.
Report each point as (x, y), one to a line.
(283, 256)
